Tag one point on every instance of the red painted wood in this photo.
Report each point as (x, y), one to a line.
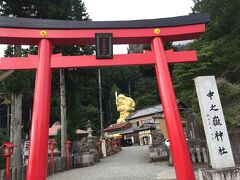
(59, 61)
(41, 108)
(7, 167)
(19, 63)
(91, 61)
(37, 160)
(178, 57)
(178, 145)
(181, 56)
(87, 36)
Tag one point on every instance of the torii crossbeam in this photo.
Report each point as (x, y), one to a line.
(48, 33)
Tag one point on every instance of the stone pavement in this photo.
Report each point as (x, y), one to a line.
(132, 163)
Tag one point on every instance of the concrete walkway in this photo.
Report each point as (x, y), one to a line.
(132, 163)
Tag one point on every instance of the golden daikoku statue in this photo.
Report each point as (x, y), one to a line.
(125, 105)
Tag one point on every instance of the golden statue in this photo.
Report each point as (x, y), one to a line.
(125, 105)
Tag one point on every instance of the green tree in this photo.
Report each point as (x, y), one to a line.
(3, 138)
(218, 54)
(112, 108)
(56, 9)
(146, 93)
(230, 97)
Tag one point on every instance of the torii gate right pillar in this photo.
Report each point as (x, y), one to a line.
(178, 145)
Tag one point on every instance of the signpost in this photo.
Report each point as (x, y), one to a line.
(104, 45)
(214, 123)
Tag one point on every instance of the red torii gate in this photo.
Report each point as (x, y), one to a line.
(47, 33)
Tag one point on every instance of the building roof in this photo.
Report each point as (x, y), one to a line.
(57, 126)
(144, 127)
(146, 111)
(157, 109)
(116, 126)
(128, 131)
(54, 129)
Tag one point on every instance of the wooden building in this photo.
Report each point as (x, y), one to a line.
(143, 121)
(114, 129)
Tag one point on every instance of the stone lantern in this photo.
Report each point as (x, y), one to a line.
(92, 144)
(89, 128)
(7, 148)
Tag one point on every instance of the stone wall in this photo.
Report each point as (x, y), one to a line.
(219, 174)
(235, 143)
(234, 138)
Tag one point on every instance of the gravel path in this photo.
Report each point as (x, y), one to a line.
(132, 163)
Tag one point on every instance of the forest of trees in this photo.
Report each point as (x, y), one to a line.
(218, 54)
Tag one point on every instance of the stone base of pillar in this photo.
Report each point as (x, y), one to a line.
(158, 153)
(104, 152)
(84, 159)
(219, 174)
(95, 155)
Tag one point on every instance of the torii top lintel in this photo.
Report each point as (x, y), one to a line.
(47, 33)
(26, 31)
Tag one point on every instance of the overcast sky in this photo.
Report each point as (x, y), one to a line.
(136, 9)
(104, 10)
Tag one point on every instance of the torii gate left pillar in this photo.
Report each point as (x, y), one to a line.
(41, 112)
(57, 33)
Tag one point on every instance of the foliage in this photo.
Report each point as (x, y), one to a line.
(58, 140)
(147, 93)
(23, 81)
(230, 97)
(3, 139)
(218, 54)
(113, 114)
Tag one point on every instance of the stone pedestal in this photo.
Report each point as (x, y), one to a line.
(220, 174)
(158, 152)
(95, 155)
(104, 151)
(84, 159)
(219, 147)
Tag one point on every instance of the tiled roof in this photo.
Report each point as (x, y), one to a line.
(57, 126)
(146, 111)
(116, 126)
(157, 109)
(144, 127)
(128, 131)
(54, 129)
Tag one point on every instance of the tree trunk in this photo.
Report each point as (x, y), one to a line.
(101, 114)
(100, 103)
(16, 130)
(12, 117)
(63, 113)
(16, 122)
(8, 121)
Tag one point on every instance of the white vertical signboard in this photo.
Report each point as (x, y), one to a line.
(214, 123)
